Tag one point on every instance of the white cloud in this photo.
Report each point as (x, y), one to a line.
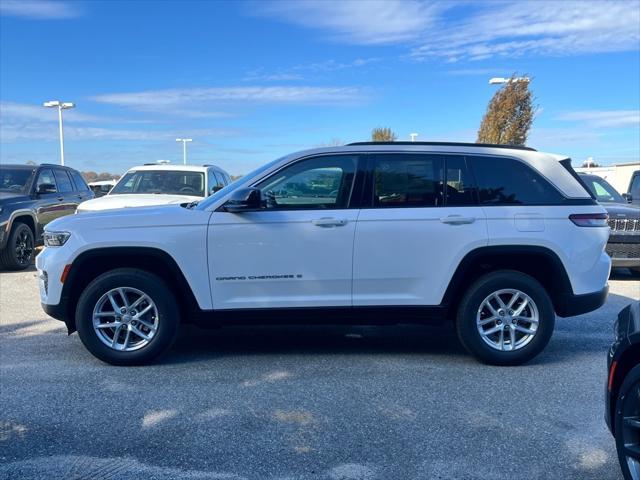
(367, 22)
(12, 111)
(604, 118)
(477, 31)
(552, 28)
(39, 9)
(197, 99)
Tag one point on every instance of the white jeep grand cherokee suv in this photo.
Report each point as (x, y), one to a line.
(497, 239)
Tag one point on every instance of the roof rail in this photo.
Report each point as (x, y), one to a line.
(447, 144)
(49, 165)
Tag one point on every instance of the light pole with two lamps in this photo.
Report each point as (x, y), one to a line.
(60, 106)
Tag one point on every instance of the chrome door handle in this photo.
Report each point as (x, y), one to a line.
(457, 220)
(329, 222)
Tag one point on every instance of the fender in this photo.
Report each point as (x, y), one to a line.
(541, 263)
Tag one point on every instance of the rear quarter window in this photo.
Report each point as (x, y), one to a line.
(507, 181)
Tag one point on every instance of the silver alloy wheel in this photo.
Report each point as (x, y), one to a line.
(507, 319)
(125, 319)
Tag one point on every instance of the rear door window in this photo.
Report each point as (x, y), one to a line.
(63, 180)
(507, 181)
(407, 180)
(460, 187)
(81, 185)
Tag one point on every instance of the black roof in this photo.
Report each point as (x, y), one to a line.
(448, 144)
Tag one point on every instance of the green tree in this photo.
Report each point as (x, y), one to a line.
(509, 115)
(383, 134)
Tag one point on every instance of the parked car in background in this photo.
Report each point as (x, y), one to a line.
(161, 184)
(30, 197)
(365, 233)
(622, 399)
(102, 187)
(624, 219)
(633, 192)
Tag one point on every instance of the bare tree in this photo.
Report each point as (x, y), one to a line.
(383, 134)
(509, 115)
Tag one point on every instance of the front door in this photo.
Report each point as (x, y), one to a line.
(296, 251)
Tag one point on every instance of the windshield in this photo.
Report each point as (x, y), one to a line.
(168, 182)
(602, 190)
(15, 180)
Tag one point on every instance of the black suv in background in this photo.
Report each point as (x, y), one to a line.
(30, 197)
(624, 219)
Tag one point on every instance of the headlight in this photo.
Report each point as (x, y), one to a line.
(55, 239)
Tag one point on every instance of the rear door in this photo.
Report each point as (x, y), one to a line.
(66, 188)
(422, 219)
(81, 189)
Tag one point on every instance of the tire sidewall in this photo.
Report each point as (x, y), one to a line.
(481, 289)
(151, 285)
(631, 380)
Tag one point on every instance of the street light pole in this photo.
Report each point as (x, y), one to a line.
(413, 136)
(61, 106)
(184, 148)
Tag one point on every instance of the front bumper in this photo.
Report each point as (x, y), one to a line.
(570, 304)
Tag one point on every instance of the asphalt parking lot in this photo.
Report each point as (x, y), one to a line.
(302, 403)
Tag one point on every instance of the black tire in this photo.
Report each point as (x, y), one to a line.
(468, 330)
(20, 248)
(628, 404)
(168, 318)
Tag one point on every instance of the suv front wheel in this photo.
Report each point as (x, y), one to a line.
(505, 318)
(127, 317)
(18, 254)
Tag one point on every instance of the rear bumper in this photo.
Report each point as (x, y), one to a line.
(570, 304)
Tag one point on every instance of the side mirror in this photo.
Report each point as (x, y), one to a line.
(243, 200)
(46, 188)
(627, 197)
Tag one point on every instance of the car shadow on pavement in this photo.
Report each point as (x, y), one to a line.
(196, 344)
(572, 336)
(624, 274)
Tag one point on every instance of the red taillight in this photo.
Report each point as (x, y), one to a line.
(612, 374)
(589, 219)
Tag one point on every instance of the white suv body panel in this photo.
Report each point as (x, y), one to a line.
(179, 232)
(401, 254)
(306, 264)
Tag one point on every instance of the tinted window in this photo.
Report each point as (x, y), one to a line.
(170, 182)
(45, 177)
(316, 183)
(16, 180)
(81, 185)
(635, 188)
(506, 181)
(460, 187)
(63, 180)
(402, 180)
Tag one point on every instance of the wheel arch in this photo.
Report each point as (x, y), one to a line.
(539, 262)
(629, 359)
(94, 262)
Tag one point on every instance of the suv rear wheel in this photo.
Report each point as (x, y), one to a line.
(18, 253)
(505, 318)
(127, 317)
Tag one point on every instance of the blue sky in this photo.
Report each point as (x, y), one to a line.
(251, 81)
